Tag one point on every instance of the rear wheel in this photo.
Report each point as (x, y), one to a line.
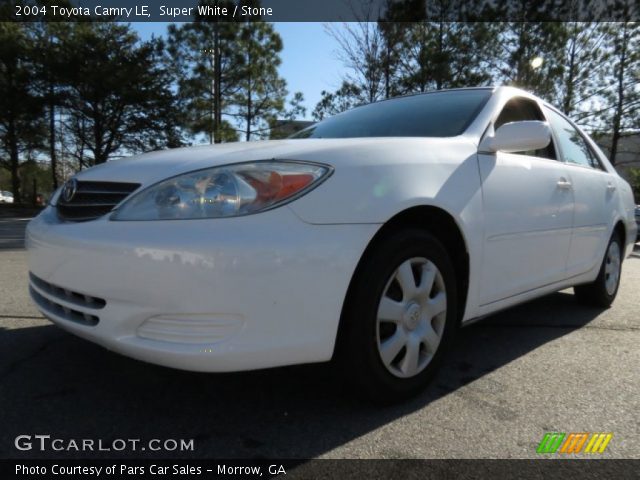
(603, 290)
(400, 316)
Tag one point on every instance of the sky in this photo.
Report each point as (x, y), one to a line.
(309, 57)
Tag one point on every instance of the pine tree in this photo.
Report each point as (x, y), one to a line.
(206, 62)
(585, 57)
(117, 94)
(532, 57)
(332, 103)
(261, 93)
(21, 108)
(48, 38)
(621, 111)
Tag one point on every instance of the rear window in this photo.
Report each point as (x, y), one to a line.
(437, 114)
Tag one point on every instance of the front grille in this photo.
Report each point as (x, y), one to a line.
(61, 302)
(93, 200)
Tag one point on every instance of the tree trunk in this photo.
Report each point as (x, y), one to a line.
(212, 111)
(52, 116)
(34, 192)
(100, 154)
(82, 146)
(249, 114)
(14, 161)
(52, 138)
(217, 79)
(387, 72)
(440, 65)
(249, 100)
(617, 116)
(568, 98)
(423, 60)
(521, 75)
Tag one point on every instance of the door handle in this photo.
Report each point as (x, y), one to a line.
(564, 184)
(610, 187)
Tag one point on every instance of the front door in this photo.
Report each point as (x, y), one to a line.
(528, 211)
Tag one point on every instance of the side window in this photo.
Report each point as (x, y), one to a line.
(574, 148)
(521, 109)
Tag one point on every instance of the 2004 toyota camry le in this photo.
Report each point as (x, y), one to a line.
(371, 236)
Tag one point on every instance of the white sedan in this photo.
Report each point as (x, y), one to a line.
(6, 197)
(370, 236)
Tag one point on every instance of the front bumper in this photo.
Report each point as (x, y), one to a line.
(207, 295)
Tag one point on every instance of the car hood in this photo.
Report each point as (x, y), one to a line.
(152, 167)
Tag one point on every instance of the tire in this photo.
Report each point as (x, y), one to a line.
(380, 314)
(602, 291)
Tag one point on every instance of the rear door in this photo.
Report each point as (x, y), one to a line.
(528, 210)
(594, 191)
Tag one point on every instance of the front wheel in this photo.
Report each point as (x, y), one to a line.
(602, 291)
(399, 317)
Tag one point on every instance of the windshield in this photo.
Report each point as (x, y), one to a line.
(437, 114)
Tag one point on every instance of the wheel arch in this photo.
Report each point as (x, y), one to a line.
(439, 223)
(621, 229)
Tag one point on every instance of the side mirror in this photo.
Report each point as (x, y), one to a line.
(517, 137)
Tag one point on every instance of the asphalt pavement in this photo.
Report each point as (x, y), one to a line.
(12, 232)
(548, 365)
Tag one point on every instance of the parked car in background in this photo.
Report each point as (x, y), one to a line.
(369, 236)
(6, 197)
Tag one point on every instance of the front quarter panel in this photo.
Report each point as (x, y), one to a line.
(376, 181)
(373, 184)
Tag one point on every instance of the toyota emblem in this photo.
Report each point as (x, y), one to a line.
(69, 189)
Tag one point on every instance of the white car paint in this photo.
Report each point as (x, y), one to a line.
(517, 136)
(267, 289)
(527, 224)
(6, 197)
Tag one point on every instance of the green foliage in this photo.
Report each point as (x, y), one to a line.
(287, 125)
(589, 70)
(621, 79)
(227, 72)
(634, 180)
(584, 54)
(117, 95)
(206, 63)
(261, 91)
(445, 55)
(30, 170)
(296, 107)
(524, 42)
(21, 107)
(346, 97)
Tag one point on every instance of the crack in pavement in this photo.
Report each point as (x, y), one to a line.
(17, 363)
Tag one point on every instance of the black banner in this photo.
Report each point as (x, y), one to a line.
(324, 11)
(321, 469)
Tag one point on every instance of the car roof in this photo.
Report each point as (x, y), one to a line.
(430, 92)
(495, 90)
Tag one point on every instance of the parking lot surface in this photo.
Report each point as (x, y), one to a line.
(548, 365)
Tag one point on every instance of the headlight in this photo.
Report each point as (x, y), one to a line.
(226, 191)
